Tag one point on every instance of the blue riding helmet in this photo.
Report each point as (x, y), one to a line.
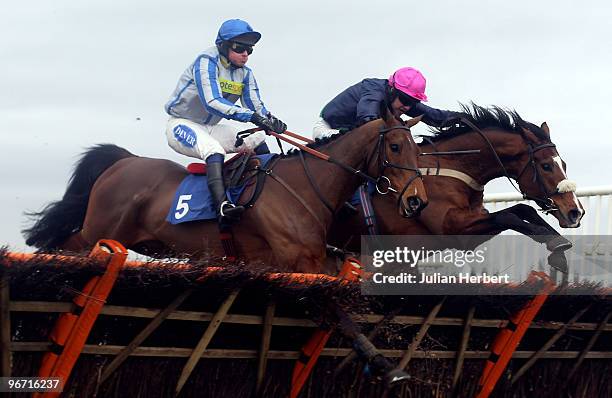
(237, 30)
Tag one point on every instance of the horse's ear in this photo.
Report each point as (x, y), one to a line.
(545, 128)
(529, 136)
(413, 121)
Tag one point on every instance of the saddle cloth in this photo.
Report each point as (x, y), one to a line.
(193, 201)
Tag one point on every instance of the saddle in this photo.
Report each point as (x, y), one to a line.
(242, 172)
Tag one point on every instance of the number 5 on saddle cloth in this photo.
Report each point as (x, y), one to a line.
(193, 201)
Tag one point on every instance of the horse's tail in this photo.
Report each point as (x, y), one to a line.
(60, 219)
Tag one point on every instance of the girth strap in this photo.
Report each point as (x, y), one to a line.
(314, 185)
(292, 191)
(467, 179)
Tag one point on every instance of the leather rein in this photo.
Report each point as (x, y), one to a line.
(382, 182)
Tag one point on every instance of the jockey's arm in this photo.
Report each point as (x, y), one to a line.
(250, 94)
(211, 97)
(431, 116)
(368, 107)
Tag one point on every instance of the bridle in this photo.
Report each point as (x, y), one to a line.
(545, 202)
(382, 182)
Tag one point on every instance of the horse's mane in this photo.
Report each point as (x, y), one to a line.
(491, 117)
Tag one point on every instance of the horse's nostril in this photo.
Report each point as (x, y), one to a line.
(414, 203)
(573, 215)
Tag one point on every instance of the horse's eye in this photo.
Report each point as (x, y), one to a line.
(394, 147)
(547, 167)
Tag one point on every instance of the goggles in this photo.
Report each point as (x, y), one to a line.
(407, 100)
(240, 48)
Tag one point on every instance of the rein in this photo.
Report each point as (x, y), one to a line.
(328, 158)
(357, 172)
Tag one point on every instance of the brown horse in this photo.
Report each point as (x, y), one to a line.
(114, 194)
(509, 147)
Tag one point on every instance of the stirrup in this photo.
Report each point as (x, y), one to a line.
(230, 208)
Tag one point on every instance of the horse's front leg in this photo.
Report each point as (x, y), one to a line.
(556, 241)
(497, 222)
(365, 349)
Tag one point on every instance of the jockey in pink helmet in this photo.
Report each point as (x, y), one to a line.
(402, 93)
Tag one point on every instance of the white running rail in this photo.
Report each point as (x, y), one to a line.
(597, 220)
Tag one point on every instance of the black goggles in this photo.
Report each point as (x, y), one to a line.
(406, 100)
(240, 48)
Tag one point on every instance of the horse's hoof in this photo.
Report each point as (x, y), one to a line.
(396, 376)
(558, 243)
(558, 261)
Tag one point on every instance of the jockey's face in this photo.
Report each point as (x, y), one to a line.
(239, 59)
(398, 108)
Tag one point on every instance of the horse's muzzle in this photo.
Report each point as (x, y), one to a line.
(413, 207)
(574, 216)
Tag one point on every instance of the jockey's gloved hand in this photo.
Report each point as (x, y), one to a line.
(269, 123)
(453, 121)
(262, 122)
(278, 125)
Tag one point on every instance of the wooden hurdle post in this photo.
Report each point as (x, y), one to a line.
(588, 347)
(142, 336)
(465, 337)
(197, 352)
(419, 336)
(548, 344)
(266, 334)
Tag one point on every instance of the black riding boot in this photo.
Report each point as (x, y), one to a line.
(226, 211)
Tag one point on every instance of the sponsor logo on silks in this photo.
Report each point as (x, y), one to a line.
(231, 87)
(185, 135)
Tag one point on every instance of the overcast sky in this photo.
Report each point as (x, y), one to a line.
(78, 73)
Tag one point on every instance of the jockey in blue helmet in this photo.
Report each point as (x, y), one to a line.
(206, 93)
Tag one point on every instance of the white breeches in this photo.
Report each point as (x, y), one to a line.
(321, 129)
(202, 140)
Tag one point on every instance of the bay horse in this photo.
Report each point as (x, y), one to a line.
(114, 194)
(508, 147)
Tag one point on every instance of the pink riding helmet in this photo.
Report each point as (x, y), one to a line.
(409, 81)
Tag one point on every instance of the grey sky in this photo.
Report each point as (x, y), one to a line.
(74, 74)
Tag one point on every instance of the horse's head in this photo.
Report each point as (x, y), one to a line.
(397, 167)
(542, 177)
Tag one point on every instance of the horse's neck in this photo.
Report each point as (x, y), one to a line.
(483, 166)
(352, 150)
